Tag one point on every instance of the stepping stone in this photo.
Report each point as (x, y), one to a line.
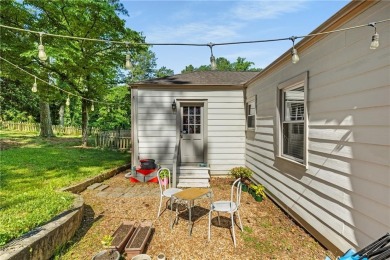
(114, 194)
(103, 194)
(94, 186)
(119, 189)
(102, 187)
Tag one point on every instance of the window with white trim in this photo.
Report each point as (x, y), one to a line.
(293, 122)
(251, 114)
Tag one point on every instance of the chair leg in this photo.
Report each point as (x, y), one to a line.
(210, 224)
(234, 236)
(159, 208)
(239, 218)
(219, 222)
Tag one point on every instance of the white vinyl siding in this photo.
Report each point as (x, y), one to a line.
(225, 124)
(344, 191)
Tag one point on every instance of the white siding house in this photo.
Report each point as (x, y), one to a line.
(206, 127)
(321, 141)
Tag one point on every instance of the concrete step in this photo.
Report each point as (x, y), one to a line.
(193, 184)
(204, 175)
(193, 169)
(194, 180)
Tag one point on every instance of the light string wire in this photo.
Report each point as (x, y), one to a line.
(60, 89)
(166, 44)
(193, 44)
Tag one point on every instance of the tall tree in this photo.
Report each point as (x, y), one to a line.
(84, 68)
(224, 64)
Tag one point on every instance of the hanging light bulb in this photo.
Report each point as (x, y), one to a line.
(294, 52)
(35, 86)
(128, 64)
(213, 64)
(41, 50)
(68, 101)
(375, 38)
(92, 107)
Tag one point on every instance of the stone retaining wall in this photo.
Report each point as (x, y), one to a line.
(82, 186)
(42, 242)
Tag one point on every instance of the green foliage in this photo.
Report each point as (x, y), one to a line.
(241, 172)
(163, 72)
(32, 173)
(164, 173)
(225, 65)
(107, 240)
(106, 117)
(259, 190)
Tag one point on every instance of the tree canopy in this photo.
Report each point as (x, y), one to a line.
(84, 68)
(224, 64)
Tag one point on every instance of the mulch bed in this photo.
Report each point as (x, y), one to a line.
(268, 232)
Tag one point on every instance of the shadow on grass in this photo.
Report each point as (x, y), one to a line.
(87, 222)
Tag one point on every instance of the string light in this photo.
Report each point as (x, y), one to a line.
(58, 88)
(128, 64)
(92, 107)
(68, 101)
(213, 64)
(42, 54)
(375, 38)
(294, 52)
(41, 50)
(35, 86)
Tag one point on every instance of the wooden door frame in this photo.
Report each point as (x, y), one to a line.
(179, 103)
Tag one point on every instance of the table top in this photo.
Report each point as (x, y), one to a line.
(191, 193)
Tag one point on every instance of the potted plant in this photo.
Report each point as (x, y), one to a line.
(258, 192)
(244, 174)
(164, 176)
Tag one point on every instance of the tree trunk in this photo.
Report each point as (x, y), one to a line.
(61, 113)
(84, 123)
(46, 128)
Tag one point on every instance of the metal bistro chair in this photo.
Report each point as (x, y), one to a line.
(166, 189)
(230, 207)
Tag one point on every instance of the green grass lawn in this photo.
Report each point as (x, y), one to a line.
(32, 169)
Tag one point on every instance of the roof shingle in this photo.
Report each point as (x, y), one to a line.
(198, 78)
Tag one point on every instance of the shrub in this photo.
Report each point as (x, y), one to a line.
(259, 190)
(241, 172)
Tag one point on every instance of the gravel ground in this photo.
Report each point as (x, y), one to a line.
(268, 232)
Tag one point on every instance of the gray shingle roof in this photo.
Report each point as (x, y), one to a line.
(202, 78)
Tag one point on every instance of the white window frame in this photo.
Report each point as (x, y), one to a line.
(293, 83)
(250, 102)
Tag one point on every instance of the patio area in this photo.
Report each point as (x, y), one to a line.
(268, 232)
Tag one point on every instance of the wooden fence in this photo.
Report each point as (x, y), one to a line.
(113, 142)
(118, 139)
(35, 127)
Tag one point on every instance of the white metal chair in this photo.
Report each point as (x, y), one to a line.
(166, 189)
(230, 207)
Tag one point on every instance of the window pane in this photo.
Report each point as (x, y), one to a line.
(185, 110)
(293, 137)
(185, 119)
(251, 112)
(294, 104)
(251, 121)
(191, 129)
(191, 110)
(197, 110)
(191, 120)
(197, 129)
(185, 129)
